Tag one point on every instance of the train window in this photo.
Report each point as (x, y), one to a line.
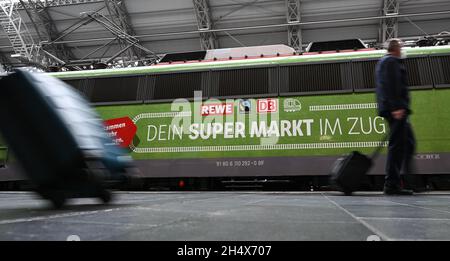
(79, 85)
(178, 85)
(326, 77)
(364, 74)
(440, 65)
(418, 72)
(115, 89)
(242, 82)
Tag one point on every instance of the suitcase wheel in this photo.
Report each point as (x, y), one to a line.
(56, 197)
(58, 201)
(105, 196)
(347, 192)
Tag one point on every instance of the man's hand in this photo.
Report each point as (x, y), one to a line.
(398, 114)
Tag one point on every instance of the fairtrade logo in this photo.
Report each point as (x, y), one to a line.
(121, 130)
(292, 105)
(216, 109)
(267, 105)
(245, 106)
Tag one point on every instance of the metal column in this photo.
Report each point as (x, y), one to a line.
(119, 16)
(294, 31)
(50, 3)
(4, 63)
(207, 39)
(45, 28)
(17, 32)
(389, 26)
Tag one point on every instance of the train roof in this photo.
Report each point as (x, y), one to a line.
(243, 62)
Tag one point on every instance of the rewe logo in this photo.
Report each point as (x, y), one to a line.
(217, 109)
(267, 105)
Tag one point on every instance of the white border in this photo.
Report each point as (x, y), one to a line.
(301, 146)
(341, 107)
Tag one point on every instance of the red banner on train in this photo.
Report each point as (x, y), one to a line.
(121, 130)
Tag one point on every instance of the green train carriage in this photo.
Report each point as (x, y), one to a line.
(322, 106)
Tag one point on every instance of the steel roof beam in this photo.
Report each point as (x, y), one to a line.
(124, 40)
(25, 50)
(246, 28)
(389, 26)
(5, 64)
(207, 39)
(45, 28)
(293, 16)
(55, 3)
(119, 15)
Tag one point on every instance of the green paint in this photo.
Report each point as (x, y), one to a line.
(431, 121)
(3, 150)
(3, 154)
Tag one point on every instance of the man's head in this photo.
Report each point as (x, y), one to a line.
(394, 47)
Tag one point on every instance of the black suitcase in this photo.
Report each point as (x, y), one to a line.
(57, 138)
(348, 172)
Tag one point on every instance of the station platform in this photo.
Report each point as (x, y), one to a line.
(229, 216)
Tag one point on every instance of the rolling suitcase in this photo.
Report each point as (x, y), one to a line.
(348, 172)
(57, 138)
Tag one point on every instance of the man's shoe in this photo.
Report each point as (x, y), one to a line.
(397, 191)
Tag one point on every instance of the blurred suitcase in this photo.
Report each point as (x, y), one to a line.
(348, 172)
(56, 137)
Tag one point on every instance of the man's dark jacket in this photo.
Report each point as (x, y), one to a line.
(392, 87)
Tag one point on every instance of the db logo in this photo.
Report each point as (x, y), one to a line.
(268, 105)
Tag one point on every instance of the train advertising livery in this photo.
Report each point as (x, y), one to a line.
(289, 115)
(286, 126)
(297, 126)
(121, 130)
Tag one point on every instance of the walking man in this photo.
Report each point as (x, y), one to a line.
(394, 105)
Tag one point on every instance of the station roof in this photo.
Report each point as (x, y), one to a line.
(163, 26)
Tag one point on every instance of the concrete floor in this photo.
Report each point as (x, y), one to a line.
(229, 216)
